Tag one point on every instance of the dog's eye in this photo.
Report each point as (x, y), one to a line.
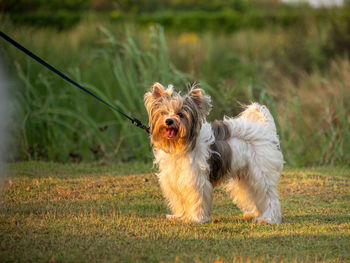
(180, 115)
(163, 113)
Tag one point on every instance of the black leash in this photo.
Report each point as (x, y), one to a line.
(134, 121)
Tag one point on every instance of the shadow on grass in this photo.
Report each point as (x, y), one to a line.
(146, 208)
(318, 218)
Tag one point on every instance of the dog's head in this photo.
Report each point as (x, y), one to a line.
(175, 120)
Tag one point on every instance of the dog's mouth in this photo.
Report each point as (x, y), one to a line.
(171, 132)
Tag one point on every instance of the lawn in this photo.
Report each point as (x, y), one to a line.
(53, 212)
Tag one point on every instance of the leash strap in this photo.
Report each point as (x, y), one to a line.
(134, 121)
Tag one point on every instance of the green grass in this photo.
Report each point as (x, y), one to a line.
(53, 212)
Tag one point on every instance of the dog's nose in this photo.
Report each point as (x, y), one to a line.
(169, 122)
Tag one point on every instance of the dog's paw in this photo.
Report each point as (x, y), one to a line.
(201, 220)
(248, 215)
(261, 220)
(174, 217)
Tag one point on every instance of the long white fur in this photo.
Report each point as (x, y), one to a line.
(252, 182)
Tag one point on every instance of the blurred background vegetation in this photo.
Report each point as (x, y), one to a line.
(293, 58)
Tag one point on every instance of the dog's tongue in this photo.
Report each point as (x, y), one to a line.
(171, 133)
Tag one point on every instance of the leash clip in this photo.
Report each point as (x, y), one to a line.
(139, 124)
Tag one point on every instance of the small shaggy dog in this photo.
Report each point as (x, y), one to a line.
(194, 156)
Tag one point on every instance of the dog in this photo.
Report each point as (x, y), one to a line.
(194, 156)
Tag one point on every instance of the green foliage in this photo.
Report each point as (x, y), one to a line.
(60, 20)
(221, 16)
(339, 37)
(27, 6)
(231, 20)
(54, 13)
(146, 6)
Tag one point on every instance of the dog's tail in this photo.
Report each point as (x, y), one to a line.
(259, 113)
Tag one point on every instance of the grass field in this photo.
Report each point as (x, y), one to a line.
(51, 212)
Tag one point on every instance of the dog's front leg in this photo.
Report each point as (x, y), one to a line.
(199, 201)
(173, 196)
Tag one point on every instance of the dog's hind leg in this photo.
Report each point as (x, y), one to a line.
(256, 195)
(264, 194)
(264, 171)
(266, 197)
(240, 191)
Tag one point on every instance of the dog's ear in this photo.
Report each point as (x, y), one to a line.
(201, 100)
(152, 97)
(158, 90)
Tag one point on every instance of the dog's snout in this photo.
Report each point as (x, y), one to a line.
(169, 122)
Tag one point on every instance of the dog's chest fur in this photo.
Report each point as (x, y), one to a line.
(212, 153)
(221, 153)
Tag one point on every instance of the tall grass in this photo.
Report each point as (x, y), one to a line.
(58, 122)
(288, 70)
(315, 117)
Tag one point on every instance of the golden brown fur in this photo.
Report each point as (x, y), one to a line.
(163, 104)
